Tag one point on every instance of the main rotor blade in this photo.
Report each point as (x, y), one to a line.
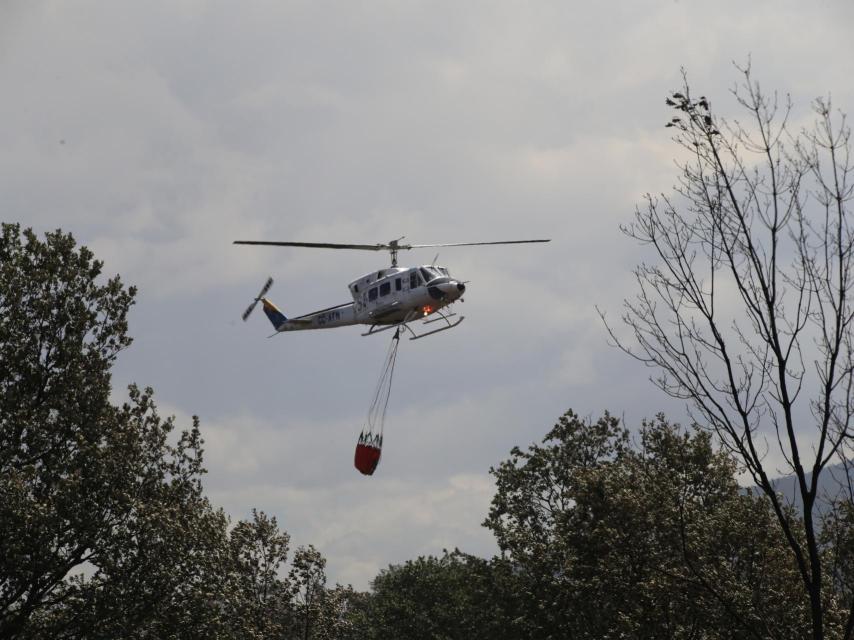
(316, 245)
(391, 246)
(470, 244)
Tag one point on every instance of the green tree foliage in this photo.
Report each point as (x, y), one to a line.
(157, 569)
(318, 612)
(532, 514)
(105, 531)
(654, 540)
(455, 596)
(837, 544)
(104, 525)
(258, 598)
(308, 583)
(263, 602)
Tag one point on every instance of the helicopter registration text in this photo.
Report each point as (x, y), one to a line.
(329, 316)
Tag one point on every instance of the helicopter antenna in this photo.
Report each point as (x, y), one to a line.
(393, 246)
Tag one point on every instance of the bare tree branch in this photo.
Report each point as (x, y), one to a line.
(746, 312)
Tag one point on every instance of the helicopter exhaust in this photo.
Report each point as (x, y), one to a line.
(260, 295)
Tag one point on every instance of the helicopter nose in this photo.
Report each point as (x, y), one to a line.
(449, 290)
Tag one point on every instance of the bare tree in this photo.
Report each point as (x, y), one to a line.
(747, 309)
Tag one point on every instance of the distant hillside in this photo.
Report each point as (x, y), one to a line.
(832, 485)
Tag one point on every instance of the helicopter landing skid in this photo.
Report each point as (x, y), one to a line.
(412, 316)
(374, 329)
(409, 317)
(449, 325)
(441, 317)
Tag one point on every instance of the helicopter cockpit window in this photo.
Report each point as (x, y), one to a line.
(427, 274)
(385, 288)
(372, 293)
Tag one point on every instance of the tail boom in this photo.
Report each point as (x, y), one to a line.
(341, 315)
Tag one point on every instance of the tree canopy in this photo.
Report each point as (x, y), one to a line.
(609, 538)
(105, 530)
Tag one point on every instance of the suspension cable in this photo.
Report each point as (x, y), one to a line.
(379, 404)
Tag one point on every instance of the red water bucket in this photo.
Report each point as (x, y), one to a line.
(367, 458)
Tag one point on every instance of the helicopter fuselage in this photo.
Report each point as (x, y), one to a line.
(389, 296)
(383, 299)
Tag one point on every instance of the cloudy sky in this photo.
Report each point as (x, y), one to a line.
(158, 132)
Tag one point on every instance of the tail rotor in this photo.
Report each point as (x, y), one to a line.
(260, 295)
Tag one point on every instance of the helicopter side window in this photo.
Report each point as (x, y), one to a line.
(398, 284)
(385, 288)
(372, 293)
(413, 279)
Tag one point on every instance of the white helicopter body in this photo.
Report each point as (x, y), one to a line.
(383, 299)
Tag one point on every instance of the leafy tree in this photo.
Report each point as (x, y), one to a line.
(307, 578)
(59, 333)
(611, 540)
(453, 596)
(837, 542)
(264, 602)
(747, 310)
(531, 513)
(259, 600)
(105, 531)
(340, 607)
(157, 570)
(714, 556)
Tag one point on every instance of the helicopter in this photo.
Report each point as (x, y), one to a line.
(388, 298)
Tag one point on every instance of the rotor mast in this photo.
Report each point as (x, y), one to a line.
(393, 248)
